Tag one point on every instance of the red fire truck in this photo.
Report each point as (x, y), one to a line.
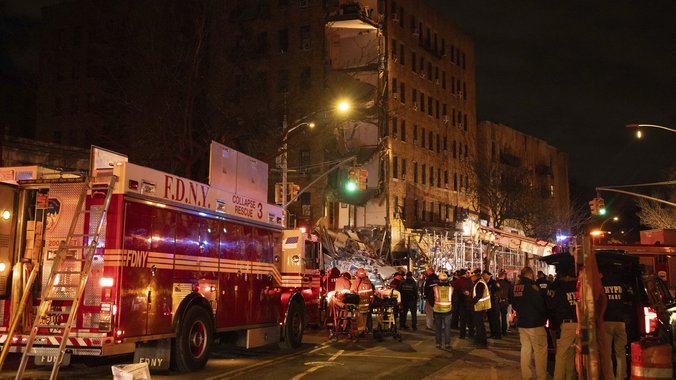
(173, 262)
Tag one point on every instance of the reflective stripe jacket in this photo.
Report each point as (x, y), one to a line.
(484, 301)
(443, 293)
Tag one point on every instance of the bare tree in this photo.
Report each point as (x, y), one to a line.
(658, 215)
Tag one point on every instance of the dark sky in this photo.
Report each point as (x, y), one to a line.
(570, 72)
(574, 73)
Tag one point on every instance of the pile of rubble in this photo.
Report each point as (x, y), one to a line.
(350, 250)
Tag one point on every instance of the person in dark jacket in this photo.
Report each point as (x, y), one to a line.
(529, 303)
(409, 301)
(504, 291)
(396, 281)
(542, 281)
(494, 312)
(618, 312)
(562, 303)
(431, 280)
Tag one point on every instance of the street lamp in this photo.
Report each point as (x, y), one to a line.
(638, 127)
(342, 107)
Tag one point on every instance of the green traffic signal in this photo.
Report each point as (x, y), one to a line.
(351, 186)
(602, 211)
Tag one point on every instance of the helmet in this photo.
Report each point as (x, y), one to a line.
(443, 276)
(361, 272)
(346, 275)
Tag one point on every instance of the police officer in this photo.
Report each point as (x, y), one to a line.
(618, 311)
(562, 300)
(409, 301)
(529, 303)
(481, 299)
(443, 298)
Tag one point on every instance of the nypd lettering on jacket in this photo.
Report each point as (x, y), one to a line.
(613, 292)
(572, 298)
(135, 258)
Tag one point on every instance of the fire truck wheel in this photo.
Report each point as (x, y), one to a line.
(295, 325)
(193, 342)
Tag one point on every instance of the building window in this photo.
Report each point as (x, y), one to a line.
(414, 96)
(402, 55)
(305, 38)
(394, 127)
(438, 177)
(402, 92)
(413, 62)
(415, 133)
(306, 204)
(464, 122)
(402, 129)
(438, 144)
(422, 102)
(466, 150)
(396, 207)
(422, 137)
(424, 211)
(303, 3)
(429, 105)
(403, 168)
(394, 88)
(455, 181)
(415, 209)
(424, 174)
(58, 106)
(306, 77)
(415, 172)
(437, 108)
(432, 176)
(395, 166)
(445, 144)
(430, 144)
(304, 161)
(446, 179)
(443, 79)
(283, 40)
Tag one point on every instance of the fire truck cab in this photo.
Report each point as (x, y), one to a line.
(175, 263)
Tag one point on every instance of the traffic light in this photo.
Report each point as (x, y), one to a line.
(278, 193)
(292, 190)
(363, 176)
(592, 207)
(352, 179)
(601, 206)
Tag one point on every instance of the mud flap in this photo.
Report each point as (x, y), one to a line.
(157, 354)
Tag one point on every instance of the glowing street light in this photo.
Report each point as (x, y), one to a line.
(639, 133)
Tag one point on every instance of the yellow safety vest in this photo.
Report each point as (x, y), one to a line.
(442, 298)
(484, 302)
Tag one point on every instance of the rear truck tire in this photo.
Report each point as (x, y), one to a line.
(192, 345)
(294, 326)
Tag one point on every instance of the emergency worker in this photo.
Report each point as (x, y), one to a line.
(396, 280)
(343, 283)
(481, 300)
(362, 286)
(562, 301)
(494, 312)
(334, 275)
(529, 303)
(409, 301)
(503, 300)
(431, 280)
(443, 298)
(618, 312)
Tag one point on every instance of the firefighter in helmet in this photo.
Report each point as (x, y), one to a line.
(362, 286)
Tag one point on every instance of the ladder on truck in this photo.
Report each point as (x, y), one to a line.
(73, 258)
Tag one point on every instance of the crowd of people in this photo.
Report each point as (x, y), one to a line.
(467, 299)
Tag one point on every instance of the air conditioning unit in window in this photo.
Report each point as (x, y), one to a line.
(395, 95)
(415, 106)
(460, 125)
(403, 176)
(422, 74)
(395, 58)
(438, 82)
(446, 119)
(446, 186)
(395, 17)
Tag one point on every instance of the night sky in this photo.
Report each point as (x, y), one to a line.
(574, 73)
(570, 72)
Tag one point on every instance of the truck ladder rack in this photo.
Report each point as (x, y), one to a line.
(64, 260)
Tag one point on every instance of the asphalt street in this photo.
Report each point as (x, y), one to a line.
(415, 357)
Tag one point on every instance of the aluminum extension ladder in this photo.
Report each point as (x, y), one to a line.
(69, 255)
